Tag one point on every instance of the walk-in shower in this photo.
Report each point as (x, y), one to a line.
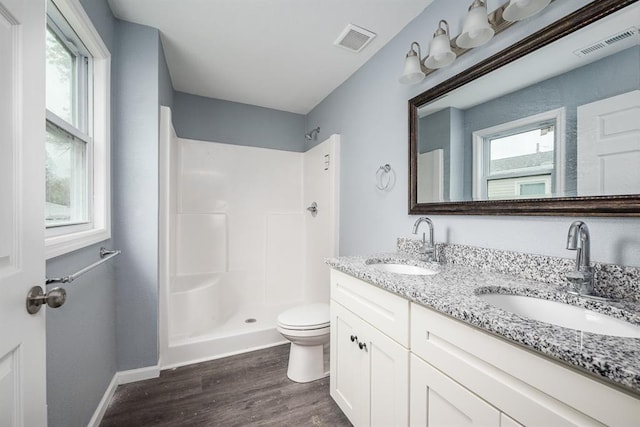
(238, 245)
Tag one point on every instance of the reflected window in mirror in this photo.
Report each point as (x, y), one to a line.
(519, 165)
(520, 159)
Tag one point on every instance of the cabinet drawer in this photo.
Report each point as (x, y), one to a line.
(531, 389)
(383, 310)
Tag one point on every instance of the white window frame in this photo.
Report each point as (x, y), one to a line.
(480, 156)
(64, 239)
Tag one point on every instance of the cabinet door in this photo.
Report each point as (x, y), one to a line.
(388, 379)
(520, 384)
(437, 400)
(349, 364)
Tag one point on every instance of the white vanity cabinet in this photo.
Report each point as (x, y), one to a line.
(369, 358)
(477, 376)
(420, 367)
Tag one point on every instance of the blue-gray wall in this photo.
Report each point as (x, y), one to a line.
(81, 335)
(109, 322)
(135, 193)
(165, 86)
(81, 339)
(215, 120)
(370, 109)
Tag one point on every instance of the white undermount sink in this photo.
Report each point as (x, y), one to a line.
(413, 270)
(561, 314)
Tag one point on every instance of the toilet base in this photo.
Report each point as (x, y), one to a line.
(306, 363)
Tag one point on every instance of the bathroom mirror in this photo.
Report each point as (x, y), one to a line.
(548, 126)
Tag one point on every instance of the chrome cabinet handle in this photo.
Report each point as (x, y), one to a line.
(363, 346)
(353, 338)
(55, 298)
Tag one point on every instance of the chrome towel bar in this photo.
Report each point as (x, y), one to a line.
(105, 254)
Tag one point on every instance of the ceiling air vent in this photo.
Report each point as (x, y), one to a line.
(609, 41)
(354, 38)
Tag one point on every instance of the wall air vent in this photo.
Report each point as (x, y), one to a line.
(609, 41)
(354, 38)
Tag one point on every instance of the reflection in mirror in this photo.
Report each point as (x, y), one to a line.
(563, 121)
(516, 160)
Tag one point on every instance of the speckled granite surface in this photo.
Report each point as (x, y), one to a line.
(455, 289)
(612, 281)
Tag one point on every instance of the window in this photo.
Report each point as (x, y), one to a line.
(512, 158)
(77, 210)
(520, 159)
(68, 145)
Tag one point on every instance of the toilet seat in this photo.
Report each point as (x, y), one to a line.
(305, 317)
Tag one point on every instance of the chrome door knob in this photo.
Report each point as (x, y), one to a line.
(55, 298)
(363, 346)
(353, 338)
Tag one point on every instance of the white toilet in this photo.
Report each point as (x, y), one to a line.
(307, 327)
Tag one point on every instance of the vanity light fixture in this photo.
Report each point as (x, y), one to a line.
(476, 30)
(440, 53)
(518, 10)
(413, 68)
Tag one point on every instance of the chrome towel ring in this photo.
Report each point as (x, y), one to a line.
(384, 177)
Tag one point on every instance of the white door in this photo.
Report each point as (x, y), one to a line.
(22, 120)
(609, 146)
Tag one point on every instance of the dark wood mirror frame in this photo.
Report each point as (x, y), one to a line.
(619, 206)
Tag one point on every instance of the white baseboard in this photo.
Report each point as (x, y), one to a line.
(141, 374)
(121, 377)
(104, 402)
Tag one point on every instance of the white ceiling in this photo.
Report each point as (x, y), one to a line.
(271, 53)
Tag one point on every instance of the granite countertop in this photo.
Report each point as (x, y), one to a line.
(454, 291)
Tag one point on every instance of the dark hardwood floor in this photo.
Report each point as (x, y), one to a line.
(250, 389)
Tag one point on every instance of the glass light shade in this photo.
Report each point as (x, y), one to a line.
(440, 54)
(412, 70)
(518, 10)
(476, 30)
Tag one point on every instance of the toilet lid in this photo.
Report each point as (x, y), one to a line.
(311, 316)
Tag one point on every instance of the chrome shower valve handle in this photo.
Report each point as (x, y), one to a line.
(313, 209)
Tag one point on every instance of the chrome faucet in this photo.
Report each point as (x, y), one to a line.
(427, 249)
(581, 278)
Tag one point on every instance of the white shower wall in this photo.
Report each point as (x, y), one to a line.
(239, 218)
(240, 243)
(321, 182)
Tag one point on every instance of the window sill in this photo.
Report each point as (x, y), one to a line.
(63, 244)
